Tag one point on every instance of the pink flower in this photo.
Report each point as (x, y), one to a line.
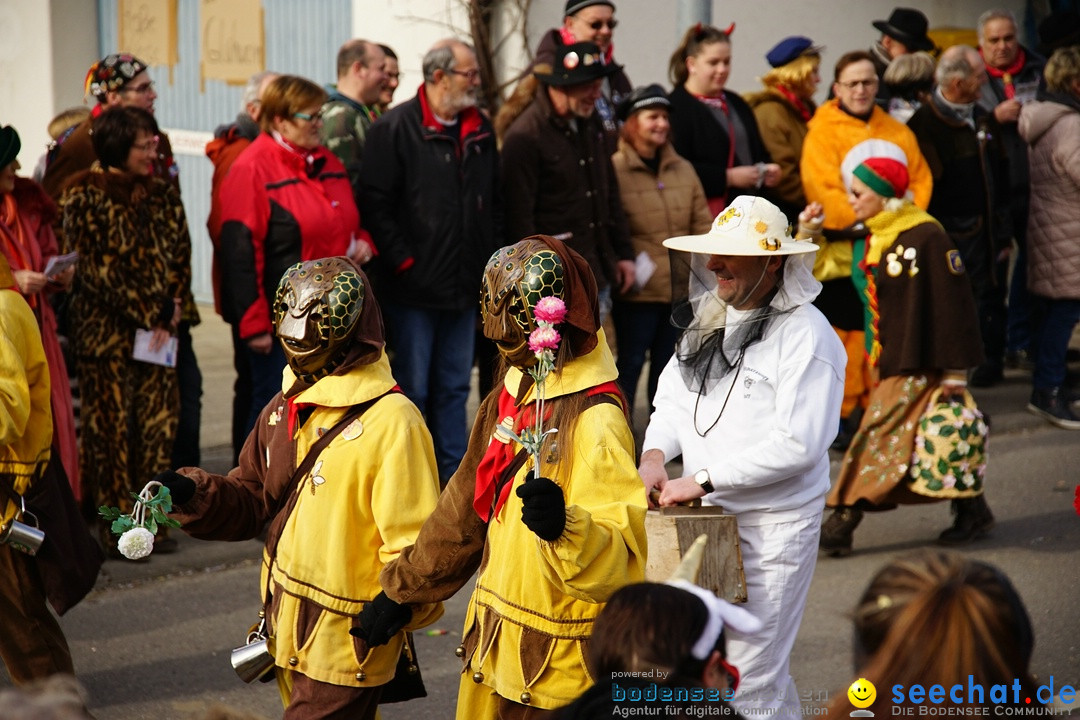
(543, 338)
(550, 309)
(949, 481)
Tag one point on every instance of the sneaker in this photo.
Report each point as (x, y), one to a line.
(837, 531)
(973, 520)
(1051, 405)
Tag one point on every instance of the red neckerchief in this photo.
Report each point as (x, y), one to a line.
(569, 39)
(500, 454)
(800, 106)
(294, 408)
(1007, 74)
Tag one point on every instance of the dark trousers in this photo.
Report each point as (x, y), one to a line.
(32, 644)
(241, 406)
(642, 328)
(988, 282)
(1050, 339)
(185, 452)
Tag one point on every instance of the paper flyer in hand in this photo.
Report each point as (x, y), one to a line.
(165, 355)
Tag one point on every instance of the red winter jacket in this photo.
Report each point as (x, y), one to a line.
(277, 211)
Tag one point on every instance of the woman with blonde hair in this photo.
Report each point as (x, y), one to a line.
(936, 618)
(782, 110)
(910, 81)
(713, 127)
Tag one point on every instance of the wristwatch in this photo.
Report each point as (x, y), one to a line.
(701, 477)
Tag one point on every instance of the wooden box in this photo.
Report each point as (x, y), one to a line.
(672, 530)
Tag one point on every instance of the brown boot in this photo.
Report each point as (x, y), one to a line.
(836, 532)
(973, 520)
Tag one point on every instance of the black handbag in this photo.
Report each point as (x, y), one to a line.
(407, 683)
(70, 558)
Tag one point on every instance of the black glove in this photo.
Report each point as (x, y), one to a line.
(380, 620)
(543, 509)
(165, 312)
(181, 487)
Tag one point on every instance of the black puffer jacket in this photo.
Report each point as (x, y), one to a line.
(432, 204)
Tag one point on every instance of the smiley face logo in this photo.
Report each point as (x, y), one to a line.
(862, 693)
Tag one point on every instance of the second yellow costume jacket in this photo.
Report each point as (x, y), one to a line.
(535, 601)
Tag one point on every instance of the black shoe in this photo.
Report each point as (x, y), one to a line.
(837, 530)
(1019, 360)
(1052, 405)
(986, 375)
(973, 520)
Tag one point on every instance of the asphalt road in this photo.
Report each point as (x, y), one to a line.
(152, 641)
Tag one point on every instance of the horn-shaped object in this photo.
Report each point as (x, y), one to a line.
(690, 565)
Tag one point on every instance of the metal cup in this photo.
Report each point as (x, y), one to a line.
(253, 660)
(22, 536)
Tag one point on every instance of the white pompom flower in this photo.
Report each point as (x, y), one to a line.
(136, 543)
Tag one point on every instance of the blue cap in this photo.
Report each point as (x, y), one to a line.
(790, 48)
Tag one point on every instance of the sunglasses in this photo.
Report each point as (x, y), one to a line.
(611, 24)
(872, 83)
(316, 117)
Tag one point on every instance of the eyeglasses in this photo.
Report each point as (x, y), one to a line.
(140, 89)
(859, 83)
(597, 24)
(148, 145)
(317, 117)
(470, 74)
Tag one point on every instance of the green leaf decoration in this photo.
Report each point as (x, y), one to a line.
(955, 457)
(926, 474)
(151, 525)
(934, 484)
(109, 513)
(937, 418)
(928, 446)
(955, 410)
(964, 432)
(946, 430)
(122, 525)
(942, 466)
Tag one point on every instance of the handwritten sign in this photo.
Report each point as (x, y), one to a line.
(148, 30)
(233, 42)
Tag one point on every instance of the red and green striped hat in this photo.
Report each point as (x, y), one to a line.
(885, 176)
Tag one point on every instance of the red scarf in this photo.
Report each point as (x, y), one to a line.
(1006, 75)
(18, 246)
(500, 454)
(797, 103)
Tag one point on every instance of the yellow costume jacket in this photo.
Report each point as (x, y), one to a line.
(25, 412)
(835, 144)
(364, 500)
(535, 601)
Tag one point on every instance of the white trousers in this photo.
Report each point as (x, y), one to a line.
(779, 561)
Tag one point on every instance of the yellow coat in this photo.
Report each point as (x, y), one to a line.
(25, 412)
(364, 500)
(535, 601)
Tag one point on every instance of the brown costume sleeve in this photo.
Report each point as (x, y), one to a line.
(451, 542)
(236, 506)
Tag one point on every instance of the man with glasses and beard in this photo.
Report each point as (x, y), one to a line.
(430, 198)
(592, 21)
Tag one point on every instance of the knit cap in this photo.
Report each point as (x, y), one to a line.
(885, 176)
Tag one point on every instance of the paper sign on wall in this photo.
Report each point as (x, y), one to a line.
(233, 42)
(148, 30)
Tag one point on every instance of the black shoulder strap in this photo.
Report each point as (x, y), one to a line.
(290, 494)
